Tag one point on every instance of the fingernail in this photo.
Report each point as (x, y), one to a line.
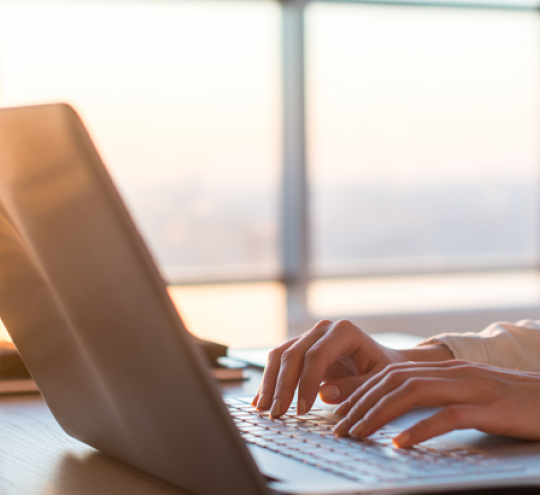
(329, 392)
(301, 408)
(357, 429)
(276, 409)
(341, 410)
(341, 428)
(401, 439)
(261, 403)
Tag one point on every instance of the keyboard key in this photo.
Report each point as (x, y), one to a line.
(269, 434)
(278, 427)
(249, 438)
(296, 422)
(251, 429)
(266, 422)
(309, 417)
(331, 456)
(356, 476)
(323, 422)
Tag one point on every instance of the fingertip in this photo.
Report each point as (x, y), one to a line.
(275, 412)
(262, 403)
(329, 394)
(403, 440)
(342, 428)
(342, 409)
(301, 408)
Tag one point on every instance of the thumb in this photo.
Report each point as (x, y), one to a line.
(336, 391)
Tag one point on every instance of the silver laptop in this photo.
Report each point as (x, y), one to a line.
(84, 303)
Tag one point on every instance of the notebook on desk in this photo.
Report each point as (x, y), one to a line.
(14, 377)
(88, 311)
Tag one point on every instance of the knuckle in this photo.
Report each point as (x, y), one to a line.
(461, 362)
(454, 414)
(342, 327)
(394, 377)
(275, 354)
(313, 354)
(392, 367)
(413, 386)
(468, 368)
(288, 355)
(322, 323)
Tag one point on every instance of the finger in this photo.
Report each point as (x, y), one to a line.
(343, 339)
(416, 392)
(410, 376)
(290, 368)
(396, 368)
(455, 417)
(256, 398)
(271, 370)
(336, 391)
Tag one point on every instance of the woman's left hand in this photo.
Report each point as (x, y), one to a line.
(492, 400)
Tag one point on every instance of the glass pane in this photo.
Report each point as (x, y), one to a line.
(182, 99)
(428, 293)
(239, 315)
(423, 138)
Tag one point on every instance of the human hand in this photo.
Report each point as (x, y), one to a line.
(492, 400)
(338, 354)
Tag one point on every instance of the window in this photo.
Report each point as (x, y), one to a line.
(182, 99)
(424, 152)
(291, 161)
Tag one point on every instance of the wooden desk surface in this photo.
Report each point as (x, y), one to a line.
(37, 457)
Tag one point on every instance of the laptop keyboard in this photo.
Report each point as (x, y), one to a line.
(310, 439)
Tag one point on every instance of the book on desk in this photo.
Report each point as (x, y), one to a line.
(15, 378)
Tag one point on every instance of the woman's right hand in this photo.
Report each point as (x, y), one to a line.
(337, 355)
(470, 395)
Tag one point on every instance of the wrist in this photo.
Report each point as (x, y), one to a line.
(427, 353)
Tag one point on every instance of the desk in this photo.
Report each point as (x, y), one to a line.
(38, 458)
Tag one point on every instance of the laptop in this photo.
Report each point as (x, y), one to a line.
(89, 312)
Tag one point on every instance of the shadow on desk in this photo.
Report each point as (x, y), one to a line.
(96, 473)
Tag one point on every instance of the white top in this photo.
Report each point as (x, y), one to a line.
(514, 346)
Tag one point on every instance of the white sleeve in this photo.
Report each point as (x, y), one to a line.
(506, 345)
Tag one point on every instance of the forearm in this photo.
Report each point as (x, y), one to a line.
(505, 345)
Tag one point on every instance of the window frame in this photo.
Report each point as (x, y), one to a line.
(295, 201)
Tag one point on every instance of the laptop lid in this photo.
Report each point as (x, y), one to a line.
(91, 317)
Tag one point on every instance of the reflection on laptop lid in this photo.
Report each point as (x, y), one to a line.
(90, 315)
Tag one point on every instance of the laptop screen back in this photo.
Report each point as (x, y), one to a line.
(91, 317)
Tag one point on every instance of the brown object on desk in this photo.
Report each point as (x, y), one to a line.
(14, 377)
(11, 363)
